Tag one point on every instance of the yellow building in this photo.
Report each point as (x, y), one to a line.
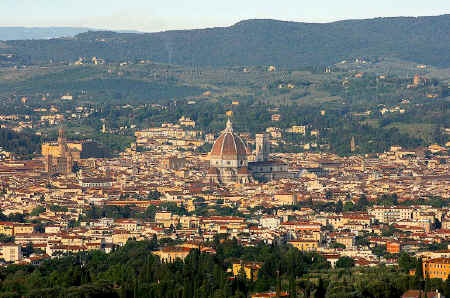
(185, 121)
(347, 240)
(305, 245)
(286, 198)
(436, 268)
(276, 117)
(171, 253)
(23, 228)
(11, 252)
(301, 129)
(7, 228)
(251, 269)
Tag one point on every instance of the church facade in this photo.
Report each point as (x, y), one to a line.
(229, 160)
(59, 158)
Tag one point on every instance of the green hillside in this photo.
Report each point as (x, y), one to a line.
(256, 42)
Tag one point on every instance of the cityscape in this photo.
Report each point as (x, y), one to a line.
(128, 173)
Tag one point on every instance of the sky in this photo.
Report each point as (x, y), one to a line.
(160, 15)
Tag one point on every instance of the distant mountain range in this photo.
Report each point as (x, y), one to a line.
(24, 33)
(17, 33)
(257, 42)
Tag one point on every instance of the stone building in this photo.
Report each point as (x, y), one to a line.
(229, 160)
(59, 158)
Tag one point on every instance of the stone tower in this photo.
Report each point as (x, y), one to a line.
(262, 147)
(352, 144)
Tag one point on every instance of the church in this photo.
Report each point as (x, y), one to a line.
(229, 160)
(59, 158)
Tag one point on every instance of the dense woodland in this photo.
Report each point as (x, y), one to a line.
(22, 143)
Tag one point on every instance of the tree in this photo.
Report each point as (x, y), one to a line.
(447, 287)
(406, 262)
(321, 289)
(345, 262)
(38, 210)
(363, 202)
(418, 276)
(337, 245)
(339, 207)
(348, 206)
(292, 287)
(154, 195)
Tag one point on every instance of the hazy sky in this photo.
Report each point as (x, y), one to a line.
(157, 15)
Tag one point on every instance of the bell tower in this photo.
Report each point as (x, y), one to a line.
(61, 138)
(262, 147)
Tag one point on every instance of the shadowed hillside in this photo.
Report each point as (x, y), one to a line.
(257, 42)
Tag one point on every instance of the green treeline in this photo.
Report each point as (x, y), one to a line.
(132, 271)
(22, 143)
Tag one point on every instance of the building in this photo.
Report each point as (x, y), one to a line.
(436, 268)
(264, 169)
(276, 117)
(391, 214)
(421, 294)
(250, 269)
(173, 163)
(96, 182)
(305, 245)
(229, 161)
(185, 121)
(393, 247)
(352, 144)
(79, 149)
(171, 253)
(300, 129)
(346, 239)
(285, 198)
(417, 80)
(270, 221)
(61, 156)
(11, 252)
(58, 159)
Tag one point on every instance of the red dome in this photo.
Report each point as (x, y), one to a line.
(229, 146)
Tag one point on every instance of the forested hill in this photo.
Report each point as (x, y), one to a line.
(258, 42)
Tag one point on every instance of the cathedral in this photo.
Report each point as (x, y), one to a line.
(228, 159)
(229, 163)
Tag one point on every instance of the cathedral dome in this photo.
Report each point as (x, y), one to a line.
(229, 146)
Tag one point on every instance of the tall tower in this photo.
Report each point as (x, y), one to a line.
(262, 147)
(61, 138)
(352, 144)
